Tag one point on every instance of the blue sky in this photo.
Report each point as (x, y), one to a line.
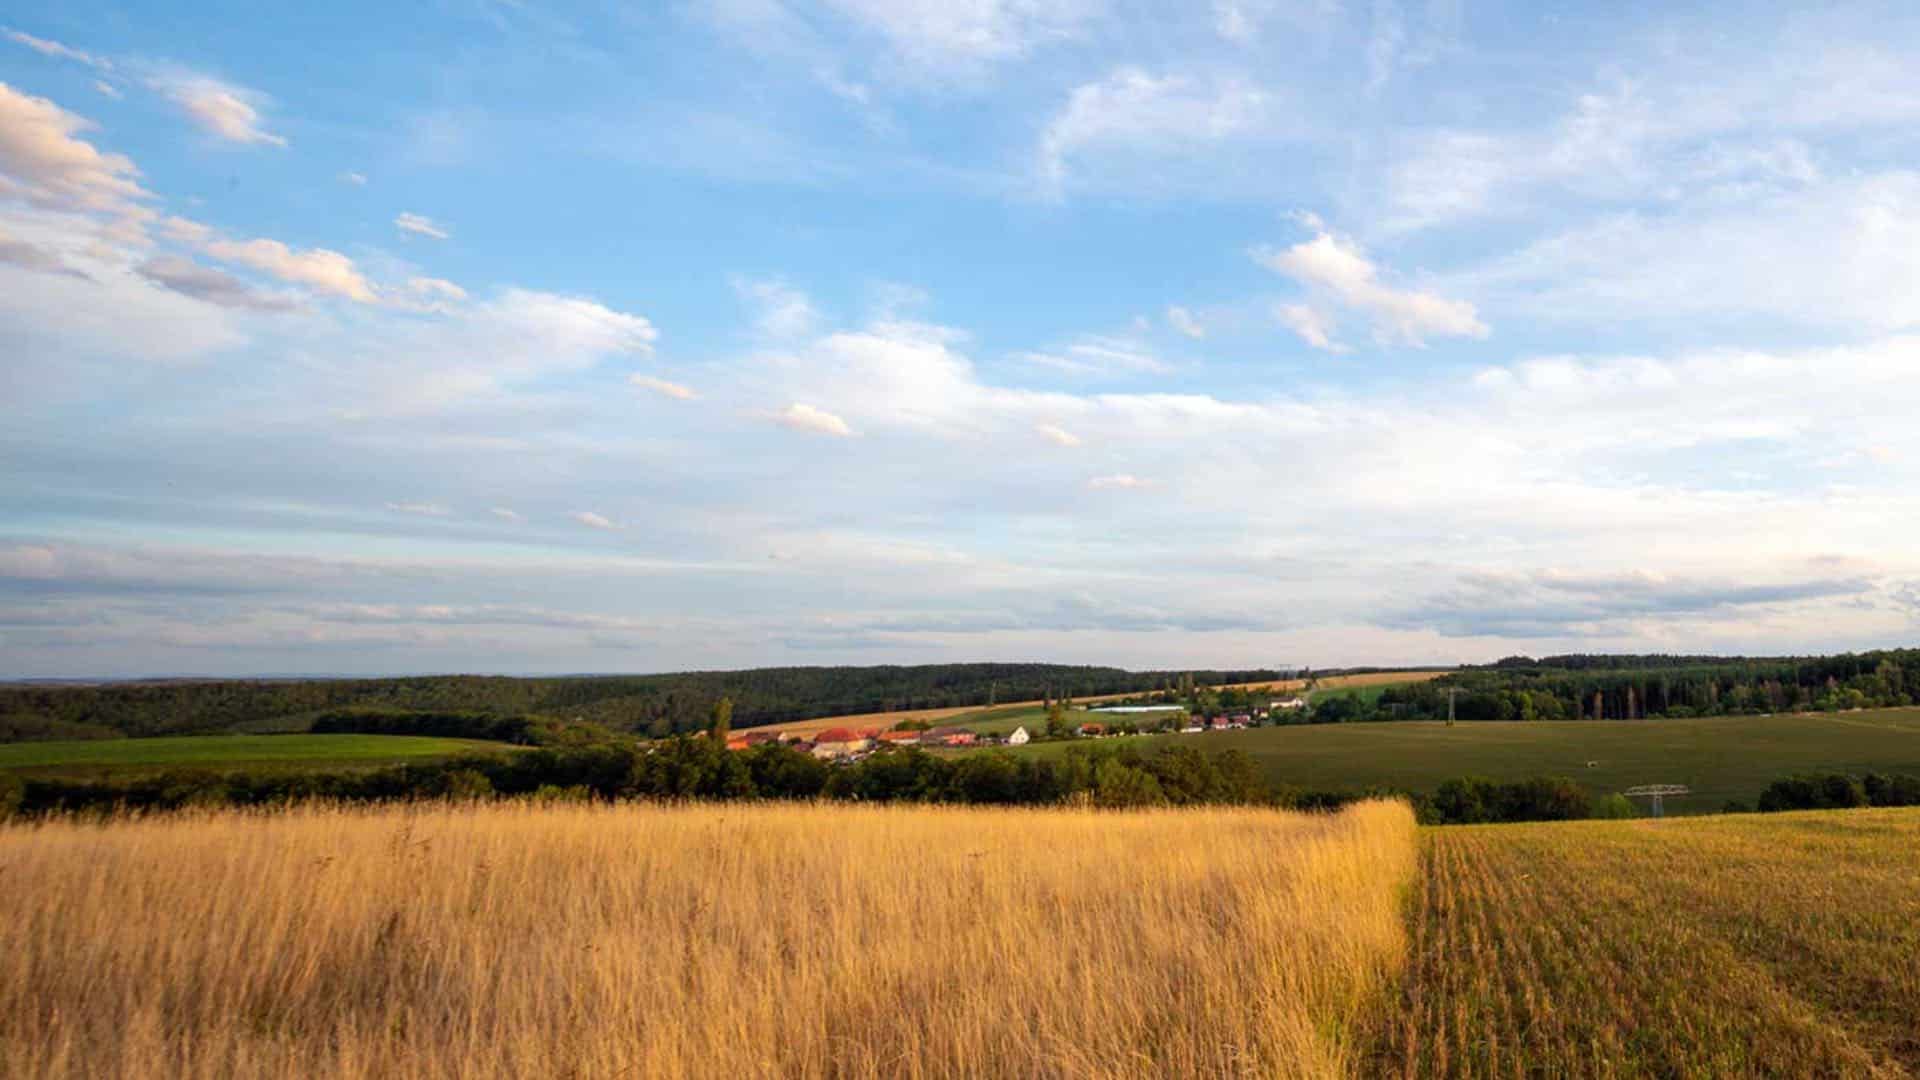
(531, 337)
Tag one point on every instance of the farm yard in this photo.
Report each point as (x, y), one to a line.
(1006, 717)
(1720, 758)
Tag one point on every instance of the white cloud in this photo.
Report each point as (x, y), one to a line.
(419, 225)
(1094, 354)
(315, 268)
(1838, 254)
(107, 88)
(43, 162)
(58, 51)
(593, 521)
(1058, 436)
(354, 178)
(431, 290)
(227, 111)
(663, 387)
(781, 312)
(189, 278)
(505, 514)
(803, 417)
(1343, 273)
(1184, 321)
(948, 34)
(1118, 482)
(1313, 327)
(419, 509)
(1134, 112)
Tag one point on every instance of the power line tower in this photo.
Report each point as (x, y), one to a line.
(1655, 793)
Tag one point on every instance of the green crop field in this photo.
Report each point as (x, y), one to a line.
(1720, 758)
(97, 757)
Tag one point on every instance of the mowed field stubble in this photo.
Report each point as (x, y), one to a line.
(1747, 945)
(660, 941)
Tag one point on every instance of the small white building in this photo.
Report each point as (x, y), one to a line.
(1019, 737)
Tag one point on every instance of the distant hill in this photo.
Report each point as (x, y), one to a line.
(644, 704)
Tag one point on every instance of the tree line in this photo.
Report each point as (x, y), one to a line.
(1641, 687)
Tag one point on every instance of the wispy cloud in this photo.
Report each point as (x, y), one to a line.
(1118, 482)
(420, 509)
(593, 521)
(803, 417)
(663, 387)
(55, 49)
(1341, 273)
(227, 111)
(419, 225)
(189, 278)
(1185, 322)
(1058, 436)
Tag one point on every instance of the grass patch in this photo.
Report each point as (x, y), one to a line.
(99, 757)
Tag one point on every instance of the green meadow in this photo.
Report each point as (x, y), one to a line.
(237, 752)
(1720, 758)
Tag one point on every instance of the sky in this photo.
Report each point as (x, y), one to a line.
(525, 337)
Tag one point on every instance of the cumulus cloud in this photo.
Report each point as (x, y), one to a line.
(1058, 436)
(593, 521)
(662, 387)
(189, 278)
(1341, 272)
(43, 162)
(1184, 321)
(315, 268)
(420, 225)
(227, 111)
(803, 417)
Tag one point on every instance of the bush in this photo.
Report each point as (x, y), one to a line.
(1614, 807)
(13, 792)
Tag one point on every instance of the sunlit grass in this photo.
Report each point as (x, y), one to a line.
(641, 941)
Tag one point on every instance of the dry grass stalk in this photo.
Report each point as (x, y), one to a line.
(645, 941)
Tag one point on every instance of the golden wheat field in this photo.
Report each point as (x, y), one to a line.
(1777, 945)
(703, 941)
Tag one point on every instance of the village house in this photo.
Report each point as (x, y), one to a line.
(1290, 703)
(1019, 737)
(1092, 730)
(1194, 727)
(900, 738)
(949, 736)
(839, 743)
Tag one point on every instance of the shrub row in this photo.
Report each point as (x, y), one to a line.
(1838, 791)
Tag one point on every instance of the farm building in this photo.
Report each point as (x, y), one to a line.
(949, 736)
(1093, 729)
(1019, 737)
(900, 738)
(839, 742)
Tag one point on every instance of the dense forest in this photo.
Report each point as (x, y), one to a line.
(653, 705)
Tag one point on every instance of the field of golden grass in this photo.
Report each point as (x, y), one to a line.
(888, 719)
(1747, 945)
(700, 941)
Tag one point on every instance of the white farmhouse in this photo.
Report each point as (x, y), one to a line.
(1019, 737)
